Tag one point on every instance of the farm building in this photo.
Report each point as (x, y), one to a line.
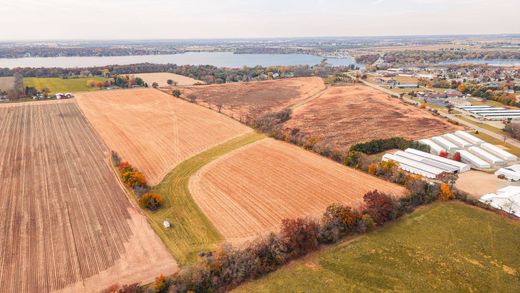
(446, 144)
(473, 160)
(486, 156)
(471, 138)
(457, 140)
(506, 199)
(492, 113)
(462, 167)
(499, 152)
(511, 173)
(434, 148)
(425, 164)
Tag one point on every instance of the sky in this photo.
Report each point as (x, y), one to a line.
(192, 19)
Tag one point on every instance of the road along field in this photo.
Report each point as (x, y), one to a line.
(62, 85)
(347, 115)
(65, 222)
(251, 99)
(443, 247)
(161, 78)
(155, 131)
(248, 192)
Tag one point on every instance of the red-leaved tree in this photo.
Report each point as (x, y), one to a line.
(379, 206)
(299, 236)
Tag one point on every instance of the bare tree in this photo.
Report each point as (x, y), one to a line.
(192, 98)
(219, 107)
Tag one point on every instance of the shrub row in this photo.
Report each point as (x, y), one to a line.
(134, 179)
(380, 145)
(228, 267)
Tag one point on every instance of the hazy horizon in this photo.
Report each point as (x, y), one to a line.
(233, 19)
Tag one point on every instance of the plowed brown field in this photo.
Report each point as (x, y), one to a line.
(351, 114)
(249, 191)
(65, 222)
(153, 130)
(255, 98)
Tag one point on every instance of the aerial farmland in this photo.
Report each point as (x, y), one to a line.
(153, 130)
(161, 78)
(252, 99)
(248, 192)
(66, 223)
(347, 115)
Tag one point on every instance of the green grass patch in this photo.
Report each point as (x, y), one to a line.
(61, 85)
(191, 231)
(514, 150)
(444, 247)
(482, 125)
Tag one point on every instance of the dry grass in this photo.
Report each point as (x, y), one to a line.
(254, 98)
(161, 79)
(65, 221)
(249, 191)
(153, 130)
(351, 114)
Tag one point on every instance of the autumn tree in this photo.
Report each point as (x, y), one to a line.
(169, 82)
(151, 201)
(155, 85)
(379, 206)
(446, 192)
(299, 236)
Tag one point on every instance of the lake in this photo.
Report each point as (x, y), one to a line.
(495, 62)
(219, 59)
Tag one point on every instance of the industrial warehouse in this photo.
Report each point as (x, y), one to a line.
(491, 113)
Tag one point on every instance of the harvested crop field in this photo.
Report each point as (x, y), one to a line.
(153, 130)
(66, 224)
(251, 99)
(161, 78)
(248, 192)
(347, 115)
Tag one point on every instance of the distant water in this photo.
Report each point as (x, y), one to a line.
(219, 59)
(495, 62)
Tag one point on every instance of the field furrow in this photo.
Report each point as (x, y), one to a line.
(66, 224)
(249, 191)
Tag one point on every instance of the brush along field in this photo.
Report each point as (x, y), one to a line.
(443, 247)
(153, 130)
(249, 191)
(62, 85)
(161, 78)
(251, 99)
(347, 115)
(6, 83)
(65, 222)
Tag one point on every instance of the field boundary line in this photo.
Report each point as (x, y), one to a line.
(309, 99)
(191, 231)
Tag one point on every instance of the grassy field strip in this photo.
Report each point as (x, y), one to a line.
(481, 125)
(61, 85)
(514, 150)
(191, 231)
(444, 247)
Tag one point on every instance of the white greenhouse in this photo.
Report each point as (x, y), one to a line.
(434, 148)
(475, 161)
(499, 152)
(486, 156)
(471, 138)
(457, 140)
(448, 145)
(462, 167)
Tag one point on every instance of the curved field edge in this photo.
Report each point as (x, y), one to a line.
(191, 231)
(469, 249)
